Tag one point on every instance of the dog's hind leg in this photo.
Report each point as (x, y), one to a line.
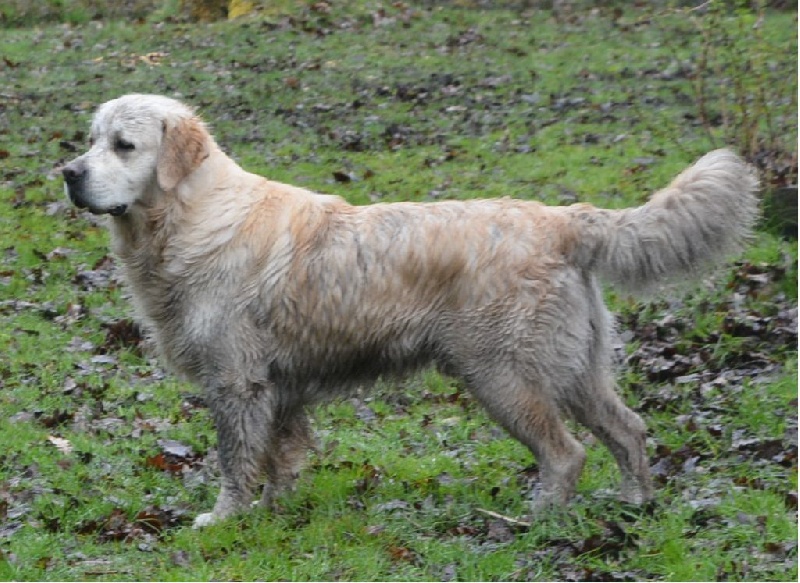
(287, 455)
(534, 420)
(243, 419)
(622, 431)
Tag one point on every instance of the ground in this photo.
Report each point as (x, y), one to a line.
(106, 458)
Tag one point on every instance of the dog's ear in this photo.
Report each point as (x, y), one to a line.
(184, 146)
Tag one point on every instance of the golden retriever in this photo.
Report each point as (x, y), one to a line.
(272, 297)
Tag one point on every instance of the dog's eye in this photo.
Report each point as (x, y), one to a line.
(123, 145)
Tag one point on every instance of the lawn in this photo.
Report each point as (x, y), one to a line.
(106, 458)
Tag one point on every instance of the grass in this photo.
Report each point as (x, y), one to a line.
(438, 103)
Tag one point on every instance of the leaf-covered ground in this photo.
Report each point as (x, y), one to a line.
(106, 459)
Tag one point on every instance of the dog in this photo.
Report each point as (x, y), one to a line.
(271, 298)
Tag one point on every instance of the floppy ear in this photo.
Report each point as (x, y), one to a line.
(183, 147)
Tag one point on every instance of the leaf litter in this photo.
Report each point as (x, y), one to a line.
(678, 362)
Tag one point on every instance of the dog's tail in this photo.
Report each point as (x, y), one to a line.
(706, 214)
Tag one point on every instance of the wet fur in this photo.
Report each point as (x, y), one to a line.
(271, 297)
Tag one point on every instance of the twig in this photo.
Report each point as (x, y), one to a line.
(507, 519)
(699, 7)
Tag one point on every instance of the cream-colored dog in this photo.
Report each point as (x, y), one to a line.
(271, 297)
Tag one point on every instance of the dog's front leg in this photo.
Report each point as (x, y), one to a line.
(291, 440)
(243, 419)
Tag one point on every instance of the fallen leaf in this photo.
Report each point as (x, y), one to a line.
(392, 505)
(176, 448)
(499, 531)
(398, 553)
(62, 445)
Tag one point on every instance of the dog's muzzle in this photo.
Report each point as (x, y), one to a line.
(75, 177)
(75, 180)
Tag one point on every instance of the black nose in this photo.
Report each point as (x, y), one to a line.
(73, 173)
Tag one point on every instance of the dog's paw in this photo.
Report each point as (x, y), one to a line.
(205, 519)
(543, 500)
(636, 492)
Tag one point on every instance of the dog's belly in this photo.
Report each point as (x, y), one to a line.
(338, 367)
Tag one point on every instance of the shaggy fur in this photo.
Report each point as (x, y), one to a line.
(271, 297)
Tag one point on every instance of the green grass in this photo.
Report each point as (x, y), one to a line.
(442, 103)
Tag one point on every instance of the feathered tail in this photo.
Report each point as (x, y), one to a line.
(705, 215)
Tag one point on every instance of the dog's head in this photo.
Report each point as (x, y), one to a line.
(142, 146)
